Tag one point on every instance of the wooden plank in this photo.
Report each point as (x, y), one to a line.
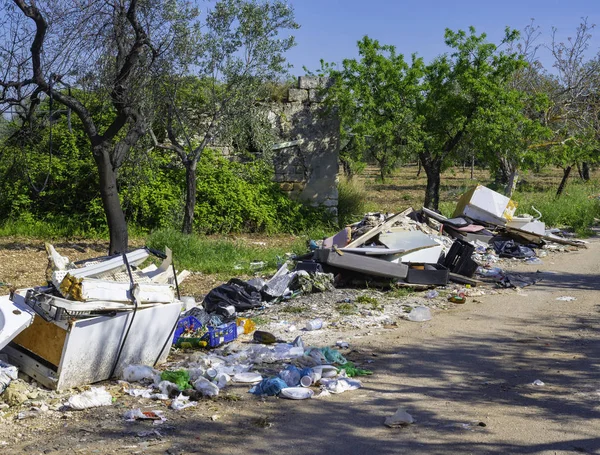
(43, 338)
(463, 279)
(377, 229)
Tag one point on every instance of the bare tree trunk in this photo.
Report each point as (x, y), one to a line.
(512, 183)
(472, 166)
(433, 169)
(563, 182)
(115, 218)
(420, 166)
(585, 171)
(190, 197)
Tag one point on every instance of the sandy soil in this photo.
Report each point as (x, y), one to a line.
(465, 376)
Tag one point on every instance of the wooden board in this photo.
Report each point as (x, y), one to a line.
(377, 229)
(45, 339)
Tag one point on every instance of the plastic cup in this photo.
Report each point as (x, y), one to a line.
(306, 381)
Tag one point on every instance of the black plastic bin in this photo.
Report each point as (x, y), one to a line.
(458, 260)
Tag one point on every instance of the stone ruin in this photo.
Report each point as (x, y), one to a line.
(306, 159)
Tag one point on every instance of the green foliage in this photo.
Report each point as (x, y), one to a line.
(242, 197)
(365, 299)
(375, 99)
(346, 309)
(578, 207)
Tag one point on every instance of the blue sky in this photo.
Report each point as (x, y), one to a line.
(331, 28)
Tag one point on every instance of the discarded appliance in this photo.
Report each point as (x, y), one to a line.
(482, 204)
(96, 317)
(64, 353)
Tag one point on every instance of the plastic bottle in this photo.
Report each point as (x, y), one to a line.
(315, 324)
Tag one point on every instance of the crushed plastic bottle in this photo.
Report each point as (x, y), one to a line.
(419, 314)
(315, 324)
(432, 294)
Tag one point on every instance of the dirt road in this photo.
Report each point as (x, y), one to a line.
(466, 377)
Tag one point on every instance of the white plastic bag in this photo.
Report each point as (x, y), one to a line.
(136, 373)
(8, 373)
(93, 398)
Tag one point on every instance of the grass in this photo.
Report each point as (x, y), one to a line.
(294, 309)
(577, 208)
(366, 300)
(352, 200)
(346, 309)
(400, 292)
(221, 255)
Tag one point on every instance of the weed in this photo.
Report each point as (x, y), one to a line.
(400, 292)
(294, 309)
(231, 397)
(259, 320)
(262, 422)
(365, 299)
(346, 308)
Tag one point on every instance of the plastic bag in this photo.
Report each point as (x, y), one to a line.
(269, 386)
(419, 314)
(291, 376)
(181, 378)
(508, 248)
(236, 293)
(333, 356)
(136, 373)
(8, 373)
(93, 398)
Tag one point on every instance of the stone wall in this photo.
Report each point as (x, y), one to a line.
(306, 159)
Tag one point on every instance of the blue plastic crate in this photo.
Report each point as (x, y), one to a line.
(220, 334)
(187, 323)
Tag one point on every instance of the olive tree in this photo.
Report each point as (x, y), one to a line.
(240, 51)
(112, 48)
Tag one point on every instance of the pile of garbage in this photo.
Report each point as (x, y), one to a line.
(116, 306)
(302, 371)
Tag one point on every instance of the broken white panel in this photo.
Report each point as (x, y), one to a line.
(481, 203)
(136, 257)
(92, 289)
(406, 240)
(528, 224)
(429, 255)
(164, 273)
(371, 251)
(15, 316)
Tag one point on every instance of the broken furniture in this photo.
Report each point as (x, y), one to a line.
(482, 204)
(361, 263)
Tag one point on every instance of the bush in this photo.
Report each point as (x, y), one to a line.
(577, 208)
(352, 200)
(242, 197)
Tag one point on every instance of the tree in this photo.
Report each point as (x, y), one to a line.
(375, 98)
(574, 112)
(239, 52)
(460, 90)
(111, 48)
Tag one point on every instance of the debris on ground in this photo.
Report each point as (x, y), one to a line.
(368, 277)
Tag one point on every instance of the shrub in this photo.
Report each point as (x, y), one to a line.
(352, 198)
